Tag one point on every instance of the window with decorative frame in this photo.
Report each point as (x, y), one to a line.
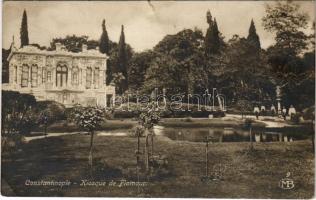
(61, 75)
(96, 77)
(43, 75)
(25, 75)
(88, 78)
(34, 75)
(75, 76)
(49, 76)
(15, 74)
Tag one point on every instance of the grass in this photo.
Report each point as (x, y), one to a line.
(64, 126)
(244, 174)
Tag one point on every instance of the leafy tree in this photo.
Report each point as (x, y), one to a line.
(74, 43)
(104, 46)
(253, 37)
(38, 46)
(243, 75)
(164, 72)
(89, 119)
(147, 119)
(139, 63)
(285, 58)
(118, 78)
(286, 21)
(5, 65)
(24, 35)
(311, 38)
(179, 63)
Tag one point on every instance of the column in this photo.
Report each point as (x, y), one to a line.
(80, 77)
(69, 81)
(278, 99)
(19, 77)
(11, 74)
(92, 77)
(53, 77)
(39, 75)
(84, 81)
(29, 84)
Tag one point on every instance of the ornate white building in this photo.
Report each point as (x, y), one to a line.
(60, 75)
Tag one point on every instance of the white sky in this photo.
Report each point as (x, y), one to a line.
(144, 26)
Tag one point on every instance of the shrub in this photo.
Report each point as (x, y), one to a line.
(137, 131)
(53, 111)
(295, 118)
(28, 123)
(125, 114)
(218, 114)
(11, 141)
(188, 119)
(17, 112)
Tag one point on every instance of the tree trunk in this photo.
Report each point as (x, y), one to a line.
(313, 137)
(250, 136)
(206, 159)
(138, 142)
(313, 141)
(146, 152)
(90, 152)
(152, 143)
(138, 149)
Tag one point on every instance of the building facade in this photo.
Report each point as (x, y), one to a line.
(62, 76)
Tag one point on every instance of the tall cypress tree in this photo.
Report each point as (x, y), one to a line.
(122, 60)
(208, 32)
(104, 45)
(209, 18)
(24, 35)
(212, 37)
(253, 37)
(216, 42)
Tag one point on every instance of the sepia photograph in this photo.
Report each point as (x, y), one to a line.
(158, 99)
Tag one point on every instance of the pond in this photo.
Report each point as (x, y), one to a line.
(229, 134)
(216, 134)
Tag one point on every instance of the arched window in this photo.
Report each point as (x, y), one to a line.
(15, 74)
(49, 76)
(88, 77)
(96, 77)
(25, 75)
(34, 75)
(61, 75)
(75, 76)
(43, 75)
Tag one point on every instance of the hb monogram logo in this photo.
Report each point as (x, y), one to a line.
(287, 183)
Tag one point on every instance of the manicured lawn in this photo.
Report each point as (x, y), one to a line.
(244, 174)
(64, 126)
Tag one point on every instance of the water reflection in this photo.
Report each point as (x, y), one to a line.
(227, 135)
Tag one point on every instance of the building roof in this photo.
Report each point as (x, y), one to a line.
(61, 51)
